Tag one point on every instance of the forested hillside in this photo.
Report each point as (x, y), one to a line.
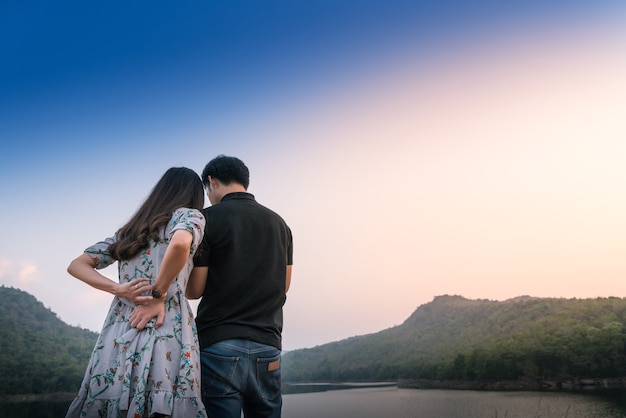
(450, 338)
(453, 338)
(39, 353)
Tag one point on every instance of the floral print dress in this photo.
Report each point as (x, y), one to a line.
(135, 373)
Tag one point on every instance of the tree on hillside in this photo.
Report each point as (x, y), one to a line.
(39, 352)
(453, 338)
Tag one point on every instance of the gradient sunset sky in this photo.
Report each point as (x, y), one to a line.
(416, 149)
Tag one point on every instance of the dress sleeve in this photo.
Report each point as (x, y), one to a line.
(99, 252)
(190, 220)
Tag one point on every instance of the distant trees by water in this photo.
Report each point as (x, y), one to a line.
(453, 338)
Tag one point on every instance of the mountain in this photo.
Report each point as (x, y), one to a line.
(39, 353)
(453, 338)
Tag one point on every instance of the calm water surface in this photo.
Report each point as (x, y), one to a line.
(391, 402)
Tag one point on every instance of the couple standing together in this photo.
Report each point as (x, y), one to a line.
(152, 355)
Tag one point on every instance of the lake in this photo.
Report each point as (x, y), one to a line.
(387, 402)
(391, 402)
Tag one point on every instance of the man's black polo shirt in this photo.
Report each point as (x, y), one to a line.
(247, 248)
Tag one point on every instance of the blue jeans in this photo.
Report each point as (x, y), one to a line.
(241, 375)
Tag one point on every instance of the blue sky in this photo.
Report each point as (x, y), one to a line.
(416, 148)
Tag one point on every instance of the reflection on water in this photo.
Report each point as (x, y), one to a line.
(391, 402)
(409, 403)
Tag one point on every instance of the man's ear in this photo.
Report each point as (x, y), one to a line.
(214, 183)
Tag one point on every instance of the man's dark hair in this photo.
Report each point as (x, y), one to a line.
(227, 170)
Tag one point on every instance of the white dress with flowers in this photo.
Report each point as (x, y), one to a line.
(135, 373)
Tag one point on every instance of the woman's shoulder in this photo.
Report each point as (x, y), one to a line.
(187, 215)
(186, 212)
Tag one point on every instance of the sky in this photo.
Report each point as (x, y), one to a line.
(416, 149)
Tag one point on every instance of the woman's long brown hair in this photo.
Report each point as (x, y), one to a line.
(180, 187)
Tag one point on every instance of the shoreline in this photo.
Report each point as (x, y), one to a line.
(290, 388)
(589, 385)
(38, 397)
(523, 384)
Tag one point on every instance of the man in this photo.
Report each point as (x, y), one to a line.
(242, 272)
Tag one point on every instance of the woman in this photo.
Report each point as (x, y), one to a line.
(146, 362)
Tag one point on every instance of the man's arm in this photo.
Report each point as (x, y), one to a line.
(196, 283)
(288, 279)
